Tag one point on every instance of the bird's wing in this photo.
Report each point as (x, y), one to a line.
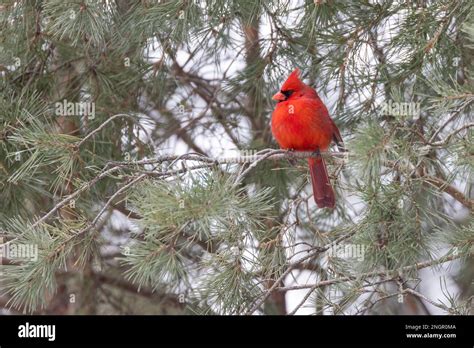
(336, 136)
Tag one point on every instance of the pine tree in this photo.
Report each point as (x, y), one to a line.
(138, 173)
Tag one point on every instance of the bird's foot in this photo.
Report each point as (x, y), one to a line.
(292, 158)
(317, 153)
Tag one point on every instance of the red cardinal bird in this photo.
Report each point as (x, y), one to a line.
(301, 122)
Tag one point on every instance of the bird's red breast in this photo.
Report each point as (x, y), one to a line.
(303, 124)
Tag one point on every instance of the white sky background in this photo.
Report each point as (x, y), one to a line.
(222, 146)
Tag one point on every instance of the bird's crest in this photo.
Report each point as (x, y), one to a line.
(293, 81)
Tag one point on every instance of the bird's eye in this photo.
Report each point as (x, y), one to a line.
(287, 93)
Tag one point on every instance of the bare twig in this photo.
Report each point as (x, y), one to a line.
(110, 119)
(393, 273)
(436, 304)
(292, 266)
(450, 135)
(451, 118)
(452, 191)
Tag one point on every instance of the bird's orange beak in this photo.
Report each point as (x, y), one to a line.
(279, 97)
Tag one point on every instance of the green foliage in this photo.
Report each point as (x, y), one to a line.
(206, 203)
(79, 22)
(392, 233)
(231, 291)
(203, 208)
(42, 149)
(33, 280)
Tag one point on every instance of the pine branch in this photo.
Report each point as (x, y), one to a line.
(259, 156)
(119, 283)
(392, 275)
(445, 141)
(450, 119)
(318, 251)
(437, 182)
(451, 190)
(434, 303)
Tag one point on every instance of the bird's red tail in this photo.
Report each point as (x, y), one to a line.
(322, 189)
